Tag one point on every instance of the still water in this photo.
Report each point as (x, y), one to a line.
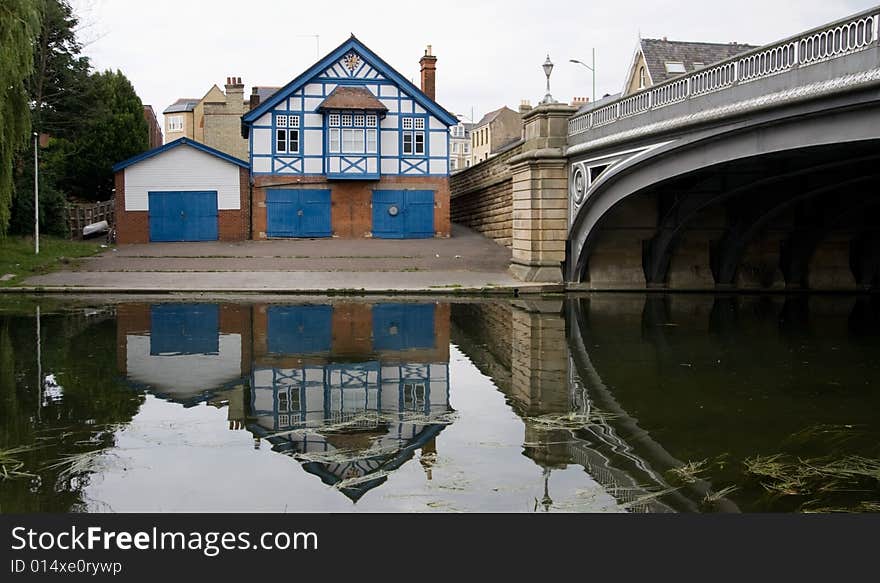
(604, 403)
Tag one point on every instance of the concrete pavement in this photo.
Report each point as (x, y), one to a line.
(465, 263)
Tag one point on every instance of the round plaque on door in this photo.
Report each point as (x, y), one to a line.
(393, 210)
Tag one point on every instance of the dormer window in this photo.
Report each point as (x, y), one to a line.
(675, 67)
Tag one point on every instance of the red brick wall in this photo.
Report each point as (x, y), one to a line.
(131, 226)
(134, 226)
(351, 215)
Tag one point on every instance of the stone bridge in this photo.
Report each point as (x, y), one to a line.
(758, 172)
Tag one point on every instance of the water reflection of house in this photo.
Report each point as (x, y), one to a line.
(352, 390)
(186, 353)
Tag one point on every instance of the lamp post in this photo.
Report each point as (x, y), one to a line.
(548, 70)
(36, 194)
(592, 70)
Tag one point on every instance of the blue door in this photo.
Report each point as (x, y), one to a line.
(403, 326)
(403, 214)
(177, 329)
(300, 329)
(298, 213)
(183, 216)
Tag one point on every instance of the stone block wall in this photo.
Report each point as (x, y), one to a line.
(482, 197)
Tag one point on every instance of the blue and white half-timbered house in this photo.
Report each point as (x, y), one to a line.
(351, 149)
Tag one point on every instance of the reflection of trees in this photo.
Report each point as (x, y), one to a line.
(63, 434)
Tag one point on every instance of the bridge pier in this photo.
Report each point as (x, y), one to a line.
(540, 195)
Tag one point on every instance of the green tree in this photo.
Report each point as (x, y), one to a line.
(19, 25)
(58, 84)
(114, 130)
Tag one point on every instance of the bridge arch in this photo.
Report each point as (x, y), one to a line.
(810, 146)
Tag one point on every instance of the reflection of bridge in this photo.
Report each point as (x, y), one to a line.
(755, 172)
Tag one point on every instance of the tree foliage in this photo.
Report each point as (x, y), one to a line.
(60, 78)
(114, 130)
(19, 25)
(93, 120)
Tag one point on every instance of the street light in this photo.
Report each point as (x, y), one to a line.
(548, 70)
(592, 69)
(36, 194)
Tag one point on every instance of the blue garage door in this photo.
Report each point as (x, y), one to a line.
(403, 214)
(298, 213)
(183, 216)
(184, 329)
(300, 329)
(403, 326)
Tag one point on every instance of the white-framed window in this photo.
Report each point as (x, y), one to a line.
(283, 403)
(175, 123)
(353, 133)
(286, 134)
(353, 141)
(413, 136)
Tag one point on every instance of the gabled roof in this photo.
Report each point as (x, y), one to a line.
(344, 97)
(214, 95)
(658, 52)
(265, 93)
(183, 104)
(387, 70)
(492, 116)
(170, 146)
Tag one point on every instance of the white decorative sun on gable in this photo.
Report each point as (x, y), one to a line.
(351, 62)
(351, 66)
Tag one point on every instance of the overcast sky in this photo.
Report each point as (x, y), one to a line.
(490, 53)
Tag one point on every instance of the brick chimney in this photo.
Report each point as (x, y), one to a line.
(525, 106)
(255, 98)
(235, 92)
(429, 74)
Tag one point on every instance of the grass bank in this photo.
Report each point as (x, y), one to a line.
(17, 256)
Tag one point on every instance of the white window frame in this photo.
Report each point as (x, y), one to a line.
(287, 134)
(175, 123)
(414, 138)
(353, 141)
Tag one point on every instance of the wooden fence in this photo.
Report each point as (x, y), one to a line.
(81, 215)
